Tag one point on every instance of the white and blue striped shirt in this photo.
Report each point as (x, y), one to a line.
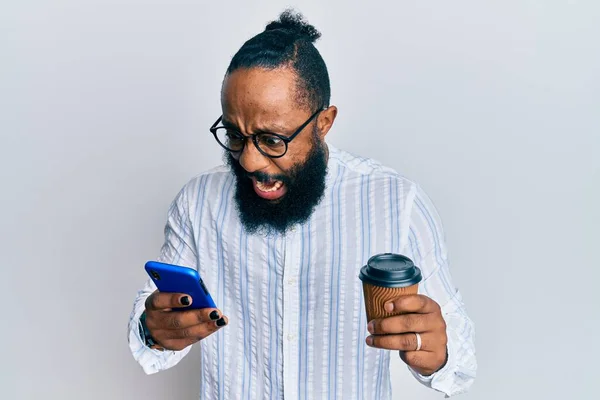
(297, 324)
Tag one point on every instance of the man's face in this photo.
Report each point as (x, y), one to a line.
(273, 194)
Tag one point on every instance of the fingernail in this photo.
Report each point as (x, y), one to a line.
(371, 327)
(221, 322)
(185, 300)
(214, 315)
(389, 307)
(369, 340)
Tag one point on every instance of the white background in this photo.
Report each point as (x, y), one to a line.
(492, 106)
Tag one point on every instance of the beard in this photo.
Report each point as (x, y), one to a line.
(305, 183)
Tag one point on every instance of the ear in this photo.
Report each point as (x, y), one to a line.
(325, 120)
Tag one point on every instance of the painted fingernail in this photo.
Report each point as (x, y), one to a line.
(185, 300)
(370, 340)
(371, 327)
(389, 307)
(214, 315)
(221, 322)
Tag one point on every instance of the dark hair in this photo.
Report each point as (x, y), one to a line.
(288, 42)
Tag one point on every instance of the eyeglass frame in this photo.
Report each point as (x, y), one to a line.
(254, 136)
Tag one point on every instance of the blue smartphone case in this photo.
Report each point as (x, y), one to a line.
(170, 278)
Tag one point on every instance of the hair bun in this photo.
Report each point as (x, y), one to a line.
(293, 22)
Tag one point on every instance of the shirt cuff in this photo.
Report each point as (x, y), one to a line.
(449, 380)
(440, 380)
(151, 360)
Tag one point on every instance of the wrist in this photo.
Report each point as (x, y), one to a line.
(444, 363)
(145, 334)
(427, 374)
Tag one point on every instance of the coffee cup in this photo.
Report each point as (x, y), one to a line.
(386, 277)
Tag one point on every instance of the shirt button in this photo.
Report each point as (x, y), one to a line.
(291, 337)
(291, 281)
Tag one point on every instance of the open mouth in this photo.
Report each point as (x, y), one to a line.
(271, 190)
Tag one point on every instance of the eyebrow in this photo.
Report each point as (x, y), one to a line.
(278, 129)
(228, 124)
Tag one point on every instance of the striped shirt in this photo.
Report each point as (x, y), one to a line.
(297, 324)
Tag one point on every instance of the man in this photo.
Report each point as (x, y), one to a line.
(279, 236)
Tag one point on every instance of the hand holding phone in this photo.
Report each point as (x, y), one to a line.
(181, 312)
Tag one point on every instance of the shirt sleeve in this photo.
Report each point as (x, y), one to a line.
(178, 248)
(428, 248)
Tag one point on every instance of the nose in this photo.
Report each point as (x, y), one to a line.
(253, 160)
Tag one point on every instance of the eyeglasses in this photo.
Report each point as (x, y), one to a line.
(269, 144)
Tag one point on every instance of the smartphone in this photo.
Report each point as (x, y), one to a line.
(171, 278)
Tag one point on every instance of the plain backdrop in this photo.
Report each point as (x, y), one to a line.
(492, 106)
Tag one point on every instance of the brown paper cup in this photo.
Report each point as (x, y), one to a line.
(377, 296)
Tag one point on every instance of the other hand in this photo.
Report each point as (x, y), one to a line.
(418, 315)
